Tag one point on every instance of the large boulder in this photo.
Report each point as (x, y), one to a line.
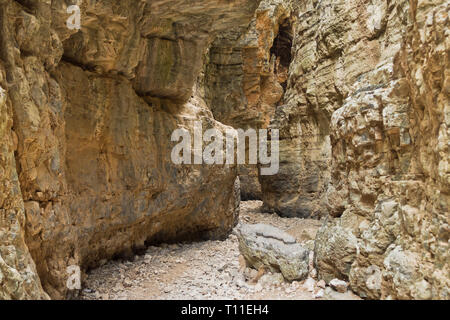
(334, 252)
(266, 246)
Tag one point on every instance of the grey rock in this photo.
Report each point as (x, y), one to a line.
(266, 246)
(335, 251)
(339, 285)
(319, 294)
(309, 284)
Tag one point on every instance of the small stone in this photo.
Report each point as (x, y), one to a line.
(321, 284)
(339, 285)
(223, 267)
(241, 283)
(311, 260)
(309, 284)
(319, 294)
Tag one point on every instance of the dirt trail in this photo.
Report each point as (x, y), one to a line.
(204, 270)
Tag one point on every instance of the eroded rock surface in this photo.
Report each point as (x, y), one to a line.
(18, 275)
(265, 246)
(87, 118)
(246, 75)
(364, 139)
(358, 89)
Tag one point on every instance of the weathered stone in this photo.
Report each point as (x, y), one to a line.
(334, 252)
(364, 138)
(309, 284)
(319, 294)
(271, 248)
(339, 285)
(358, 91)
(93, 114)
(246, 75)
(18, 275)
(321, 284)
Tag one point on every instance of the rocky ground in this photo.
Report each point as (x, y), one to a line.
(206, 270)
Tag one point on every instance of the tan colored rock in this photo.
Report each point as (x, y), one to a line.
(334, 252)
(246, 75)
(18, 275)
(361, 101)
(93, 114)
(305, 231)
(364, 138)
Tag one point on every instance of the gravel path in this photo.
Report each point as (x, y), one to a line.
(205, 270)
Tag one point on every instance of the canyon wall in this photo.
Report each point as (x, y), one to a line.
(363, 120)
(364, 143)
(359, 90)
(87, 118)
(245, 76)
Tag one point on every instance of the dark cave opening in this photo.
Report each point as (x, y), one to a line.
(282, 51)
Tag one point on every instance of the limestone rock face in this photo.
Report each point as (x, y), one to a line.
(18, 276)
(87, 118)
(364, 139)
(334, 252)
(246, 74)
(358, 89)
(266, 246)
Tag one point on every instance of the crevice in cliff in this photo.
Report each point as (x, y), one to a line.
(281, 52)
(26, 5)
(98, 72)
(72, 61)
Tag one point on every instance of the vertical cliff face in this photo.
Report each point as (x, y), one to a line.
(18, 277)
(246, 75)
(358, 89)
(87, 118)
(364, 134)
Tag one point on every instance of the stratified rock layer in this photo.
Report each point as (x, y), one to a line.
(18, 276)
(363, 113)
(87, 118)
(245, 74)
(364, 139)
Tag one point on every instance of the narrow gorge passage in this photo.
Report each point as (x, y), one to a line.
(128, 126)
(207, 270)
